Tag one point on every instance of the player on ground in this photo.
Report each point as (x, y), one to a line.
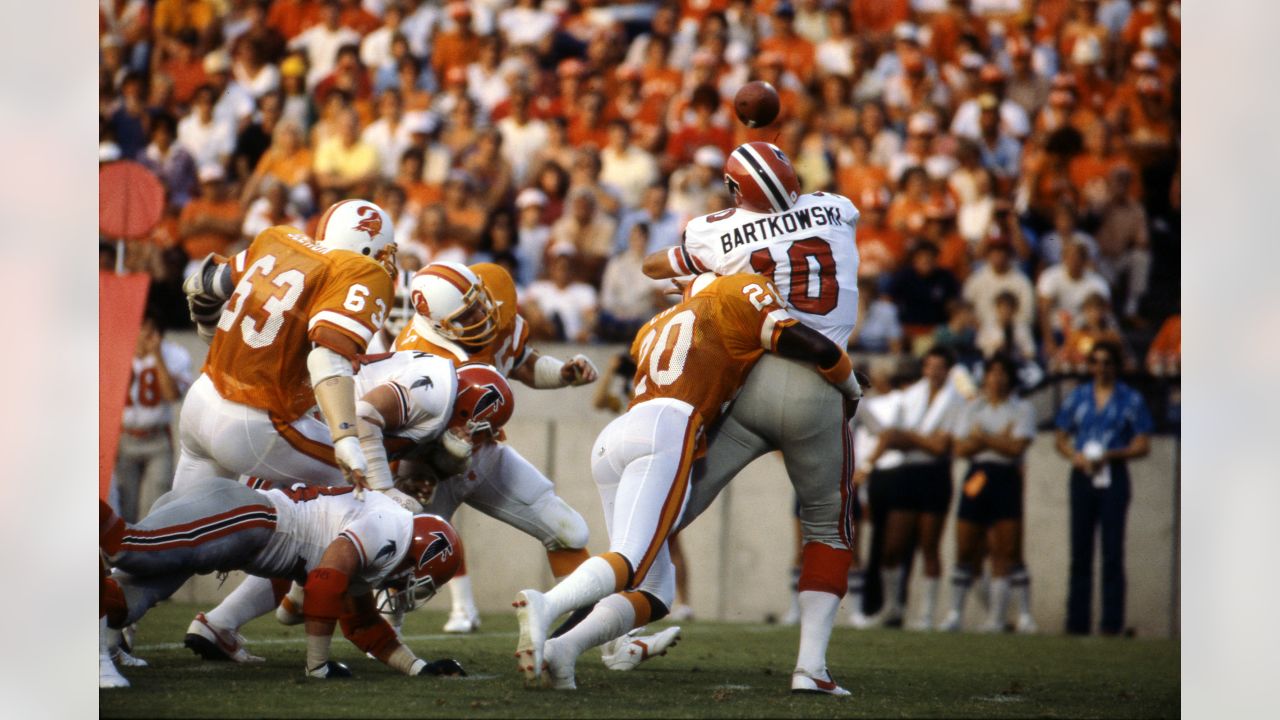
(342, 547)
(469, 314)
(408, 400)
(691, 359)
(805, 244)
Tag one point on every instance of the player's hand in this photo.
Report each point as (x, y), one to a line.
(331, 670)
(447, 667)
(403, 500)
(351, 462)
(579, 371)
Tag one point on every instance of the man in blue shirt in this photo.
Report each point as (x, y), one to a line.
(1102, 425)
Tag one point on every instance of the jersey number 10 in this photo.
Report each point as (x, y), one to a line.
(813, 288)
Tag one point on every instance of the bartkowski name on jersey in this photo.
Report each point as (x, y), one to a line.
(781, 224)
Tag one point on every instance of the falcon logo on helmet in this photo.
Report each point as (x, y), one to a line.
(360, 227)
(484, 402)
(453, 301)
(433, 557)
(760, 178)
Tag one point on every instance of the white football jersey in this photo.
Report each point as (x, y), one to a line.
(808, 251)
(309, 518)
(143, 409)
(426, 385)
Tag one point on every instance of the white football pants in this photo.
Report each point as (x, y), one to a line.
(220, 438)
(641, 463)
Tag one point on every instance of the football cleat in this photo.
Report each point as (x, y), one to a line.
(214, 643)
(462, 620)
(628, 651)
(330, 670)
(108, 674)
(951, 623)
(1027, 625)
(681, 613)
(558, 667)
(803, 682)
(531, 613)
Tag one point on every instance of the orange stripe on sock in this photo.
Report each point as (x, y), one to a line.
(621, 570)
(640, 603)
(564, 562)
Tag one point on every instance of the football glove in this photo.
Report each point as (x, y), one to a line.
(330, 670)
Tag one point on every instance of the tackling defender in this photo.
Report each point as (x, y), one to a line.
(340, 546)
(805, 245)
(691, 359)
(469, 314)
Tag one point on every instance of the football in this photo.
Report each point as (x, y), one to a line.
(757, 104)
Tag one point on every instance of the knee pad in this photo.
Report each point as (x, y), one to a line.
(567, 528)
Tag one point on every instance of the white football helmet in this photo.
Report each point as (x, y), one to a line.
(454, 302)
(360, 227)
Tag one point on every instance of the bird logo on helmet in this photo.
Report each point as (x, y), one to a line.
(361, 227)
(484, 402)
(453, 301)
(434, 555)
(760, 178)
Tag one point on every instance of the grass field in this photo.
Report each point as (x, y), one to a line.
(718, 670)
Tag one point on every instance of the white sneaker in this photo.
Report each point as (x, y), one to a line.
(681, 613)
(951, 623)
(108, 674)
(859, 621)
(558, 666)
(628, 651)
(463, 620)
(531, 613)
(1027, 625)
(214, 643)
(803, 682)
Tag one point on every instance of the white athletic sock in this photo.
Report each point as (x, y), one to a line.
(961, 580)
(1020, 583)
(610, 618)
(593, 580)
(890, 577)
(817, 615)
(999, 602)
(252, 599)
(460, 591)
(930, 601)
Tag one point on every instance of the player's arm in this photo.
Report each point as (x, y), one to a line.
(368, 630)
(676, 261)
(546, 372)
(801, 342)
(383, 409)
(326, 589)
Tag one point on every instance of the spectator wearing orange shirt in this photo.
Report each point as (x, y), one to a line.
(288, 161)
(457, 47)
(796, 51)
(879, 18)
(172, 17)
(418, 194)
(856, 172)
(686, 139)
(1164, 357)
(211, 222)
(881, 249)
(184, 66)
(357, 18)
(1094, 325)
(291, 17)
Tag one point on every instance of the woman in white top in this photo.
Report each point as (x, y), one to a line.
(994, 432)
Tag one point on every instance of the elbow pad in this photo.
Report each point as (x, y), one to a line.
(324, 363)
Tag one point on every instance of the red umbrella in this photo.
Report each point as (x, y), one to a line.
(130, 200)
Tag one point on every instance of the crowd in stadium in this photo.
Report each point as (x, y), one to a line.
(1015, 161)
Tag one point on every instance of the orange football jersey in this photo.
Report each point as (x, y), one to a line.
(508, 347)
(292, 293)
(701, 350)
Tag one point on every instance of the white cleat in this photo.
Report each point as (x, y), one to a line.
(628, 651)
(558, 667)
(531, 613)
(463, 620)
(1027, 625)
(803, 682)
(951, 623)
(681, 613)
(108, 674)
(214, 643)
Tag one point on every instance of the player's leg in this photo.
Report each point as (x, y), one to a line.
(1084, 526)
(509, 488)
(899, 535)
(857, 580)
(128, 480)
(201, 422)
(1113, 512)
(682, 611)
(936, 501)
(298, 451)
(464, 617)
(1002, 541)
(1019, 577)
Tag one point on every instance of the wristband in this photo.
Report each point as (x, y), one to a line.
(403, 660)
(546, 373)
